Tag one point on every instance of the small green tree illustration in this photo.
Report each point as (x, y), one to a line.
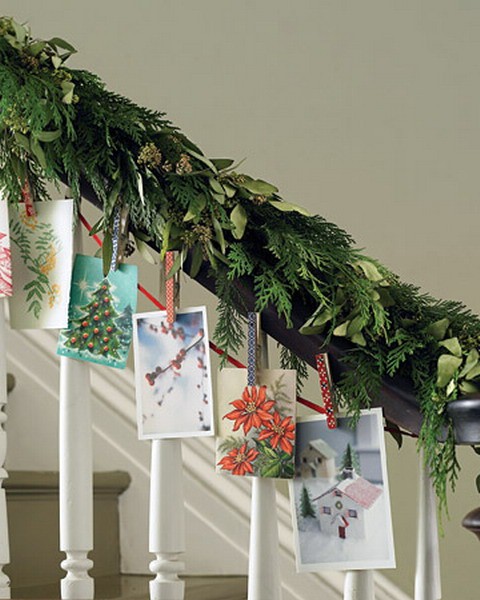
(306, 507)
(350, 461)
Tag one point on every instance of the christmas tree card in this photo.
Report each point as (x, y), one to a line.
(173, 375)
(5, 254)
(41, 245)
(100, 313)
(256, 424)
(339, 496)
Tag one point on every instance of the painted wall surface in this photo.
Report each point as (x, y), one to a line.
(365, 112)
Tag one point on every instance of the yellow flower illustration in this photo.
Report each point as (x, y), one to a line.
(50, 261)
(29, 221)
(54, 295)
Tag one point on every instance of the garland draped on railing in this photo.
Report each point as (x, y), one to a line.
(58, 123)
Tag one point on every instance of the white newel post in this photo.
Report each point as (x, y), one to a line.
(4, 543)
(263, 565)
(76, 476)
(167, 520)
(427, 573)
(359, 585)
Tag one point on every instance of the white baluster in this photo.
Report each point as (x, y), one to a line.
(76, 477)
(359, 586)
(263, 564)
(4, 543)
(167, 521)
(76, 485)
(427, 574)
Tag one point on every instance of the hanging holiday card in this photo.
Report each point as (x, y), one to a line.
(173, 375)
(100, 313)
(5, 253)
(41, 244)
(340, 498)
(256, 424)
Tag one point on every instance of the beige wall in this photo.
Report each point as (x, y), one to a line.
(365, 112)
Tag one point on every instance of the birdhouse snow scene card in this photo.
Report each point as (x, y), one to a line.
(100, 314)
(256, 424)
(339, 495)
(5, 252)
(173, 374)
(41, 245)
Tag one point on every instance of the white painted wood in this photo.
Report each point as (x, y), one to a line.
(359, 585)
(76, 479)
(427, 573)
(4, 542)
(167, 520)
(76, 474)
(263, 566)
(217, 508)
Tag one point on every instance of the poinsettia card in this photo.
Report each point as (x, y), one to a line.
(41, 246)
(173, 375)
(256, 424)
(100, 313)
(5, 253)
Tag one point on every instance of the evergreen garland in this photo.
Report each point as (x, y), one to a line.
(57, 122)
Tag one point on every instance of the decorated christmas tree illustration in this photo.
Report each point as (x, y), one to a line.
(99, 329)
(350, 463)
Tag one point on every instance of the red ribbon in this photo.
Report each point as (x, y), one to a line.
(326, 388)
(169, 288)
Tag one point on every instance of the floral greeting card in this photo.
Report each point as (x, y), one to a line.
(5, 254)
(340, 501)
(41, 247)
(256, 424)
(100, 313)
(173, 375)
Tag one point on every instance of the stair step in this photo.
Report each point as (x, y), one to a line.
(33, 516)
(135, 587)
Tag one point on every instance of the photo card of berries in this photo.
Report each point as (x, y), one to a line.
(100, 313)
(256, 424)
(172, 374)
(41, 245)
(5, 252)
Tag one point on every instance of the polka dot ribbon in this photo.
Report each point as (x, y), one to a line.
(323, 370)
(169, 288)
(27, 199)
(252, 349)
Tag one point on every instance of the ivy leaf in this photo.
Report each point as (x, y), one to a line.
(289, 207)
(222, 163)
(438, 329)
(203, 159)
(341, 330)
(356, 325)
(453, 346)
(216, 186)
(473, 373)
(47, 136)
(446, 368)
(38, 153)
(394, 431)
(107, 251)
(197, 204)
(369, 269)
(144, 250)
(466, 387)
(197, 259)
(230, 191)
(258, 186)
(58, 42)
(219, 234)
(471, 361)
(358, 338)
(238, 216)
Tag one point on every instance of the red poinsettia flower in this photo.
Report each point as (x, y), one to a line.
(251, 410)
(239, 460)
(279, 432)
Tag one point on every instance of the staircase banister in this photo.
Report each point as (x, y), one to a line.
(396, 396)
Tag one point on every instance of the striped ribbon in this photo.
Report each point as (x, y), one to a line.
(323, 370)
(27, 199)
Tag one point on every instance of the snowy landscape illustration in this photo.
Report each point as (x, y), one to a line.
(340, 500)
